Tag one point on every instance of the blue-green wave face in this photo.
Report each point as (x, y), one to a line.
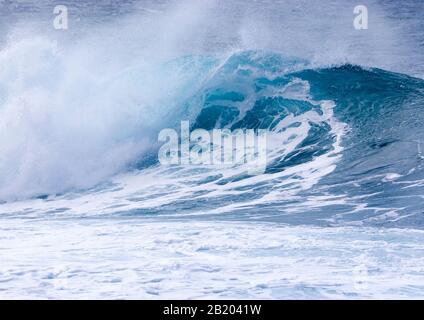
(382, 163)
(344, 147)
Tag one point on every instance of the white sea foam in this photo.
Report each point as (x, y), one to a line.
(133, 258)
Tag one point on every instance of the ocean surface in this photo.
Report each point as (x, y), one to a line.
(88, 211)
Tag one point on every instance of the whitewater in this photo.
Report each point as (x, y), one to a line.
(88, 211)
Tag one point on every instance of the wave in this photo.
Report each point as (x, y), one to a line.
(344, 143)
